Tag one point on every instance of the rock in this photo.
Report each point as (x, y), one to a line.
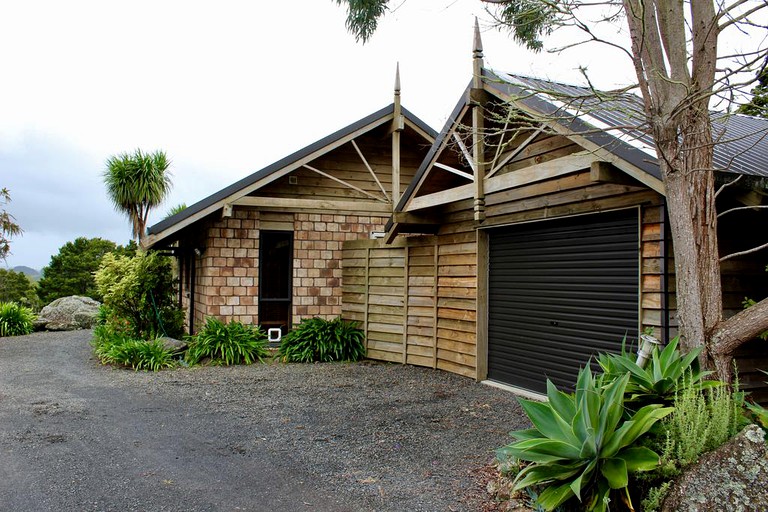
(70, 313)
(173, 344)
(732, 478)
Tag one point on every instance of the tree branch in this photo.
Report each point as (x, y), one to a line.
(748, 251)
(741, 327)
(755, 207)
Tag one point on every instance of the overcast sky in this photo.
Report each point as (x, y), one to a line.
(224, 88)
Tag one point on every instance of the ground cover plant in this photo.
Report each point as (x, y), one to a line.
(114, 344)
(623, 435)
(15, 319)
(317, 339)
(227, 344)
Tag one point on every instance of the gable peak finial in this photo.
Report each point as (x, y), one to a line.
(477, 46)
(397, 79)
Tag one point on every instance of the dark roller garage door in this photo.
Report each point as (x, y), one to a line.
(560, 291)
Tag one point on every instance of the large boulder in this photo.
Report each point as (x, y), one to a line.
(69, 313)
(734, 477)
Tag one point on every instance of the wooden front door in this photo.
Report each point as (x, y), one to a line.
(275, 279)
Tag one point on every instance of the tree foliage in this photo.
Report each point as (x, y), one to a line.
(758, 105)
(16, 287)
(70, 271)
(136, 184)
(8, 226)
(140, 291)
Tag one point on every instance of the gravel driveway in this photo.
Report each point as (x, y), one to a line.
(77, 436)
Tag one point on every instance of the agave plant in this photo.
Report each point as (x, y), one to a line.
(581, 447)
(666, 373)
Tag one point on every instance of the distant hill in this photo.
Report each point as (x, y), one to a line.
(29, 272)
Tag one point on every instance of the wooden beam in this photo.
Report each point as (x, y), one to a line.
(481, 306)
(605, 172)
(342, 182)
(367, 166)
(314, 204)
(442, 197)
(478, 126)
(464, 151)
(414, 218)
(226, 211)
(443, 144)
(514, 153)
(455, 171)
(539, 172)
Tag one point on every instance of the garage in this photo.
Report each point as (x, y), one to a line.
(560, 291)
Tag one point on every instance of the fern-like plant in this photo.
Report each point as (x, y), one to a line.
(317, 339)
(114, 347)
(15, 319)
(227, 344)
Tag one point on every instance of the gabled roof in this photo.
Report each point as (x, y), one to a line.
(245, 186)
(609, 124)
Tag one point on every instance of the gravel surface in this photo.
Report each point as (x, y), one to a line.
(75, 435)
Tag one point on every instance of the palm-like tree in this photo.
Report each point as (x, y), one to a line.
(137, 183)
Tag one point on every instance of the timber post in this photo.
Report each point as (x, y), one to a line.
(478, 145)
(398, 124)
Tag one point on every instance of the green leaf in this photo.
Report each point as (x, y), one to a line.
(615, 472)
(639, 458)
(554, 496)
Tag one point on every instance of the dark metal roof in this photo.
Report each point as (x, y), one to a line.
(742, 140)
(615, 123)
(282, 163)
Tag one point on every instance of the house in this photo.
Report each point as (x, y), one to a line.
(267, 249)
(534, 234)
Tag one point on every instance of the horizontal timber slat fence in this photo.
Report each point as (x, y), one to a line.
(415, 300)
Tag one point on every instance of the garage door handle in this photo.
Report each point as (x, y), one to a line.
(553, 323)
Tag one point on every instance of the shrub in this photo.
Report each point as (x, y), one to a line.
(227, 344)
(317, 339)
(703, 419)
(114, 347)
(15, 319)
(141, 290)
(580, 447)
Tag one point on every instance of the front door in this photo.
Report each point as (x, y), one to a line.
(275, 279)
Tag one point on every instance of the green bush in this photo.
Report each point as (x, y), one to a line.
(227, 344)
(142, 291)
(15, 319)
(580, 447)
(317, 339)
(114, 347)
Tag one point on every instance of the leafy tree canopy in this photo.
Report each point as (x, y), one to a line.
(70, 272)
(136, 184)
(16, 287)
